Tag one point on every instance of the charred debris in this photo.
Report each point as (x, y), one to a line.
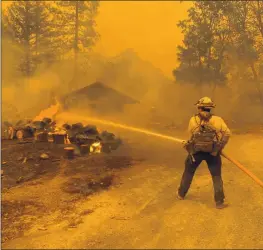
(85, 138)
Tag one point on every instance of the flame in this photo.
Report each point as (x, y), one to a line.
(95, 147)
(67, 141)
(49, 112)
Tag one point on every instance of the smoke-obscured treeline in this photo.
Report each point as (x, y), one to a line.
(47, 51)
(48, 31)
(223, 48)
(45, 46)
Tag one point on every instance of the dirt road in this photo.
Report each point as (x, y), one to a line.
(142, 210)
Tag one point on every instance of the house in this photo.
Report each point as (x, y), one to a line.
(97, 97)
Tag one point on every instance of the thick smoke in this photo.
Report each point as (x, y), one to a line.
(161, 101)
(21, 96)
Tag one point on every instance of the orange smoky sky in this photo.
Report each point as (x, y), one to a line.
(148, 27)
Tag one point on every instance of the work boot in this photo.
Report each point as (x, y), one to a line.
(179, 197)
(221, 205)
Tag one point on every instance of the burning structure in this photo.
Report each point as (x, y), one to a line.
(99, 98)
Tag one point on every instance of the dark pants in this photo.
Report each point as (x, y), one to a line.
(214, 165)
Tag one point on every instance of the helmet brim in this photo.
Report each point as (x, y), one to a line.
(205, 106)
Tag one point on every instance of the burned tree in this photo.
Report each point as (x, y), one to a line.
(78, 21)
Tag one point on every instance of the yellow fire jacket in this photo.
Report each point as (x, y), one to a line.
(215, 122)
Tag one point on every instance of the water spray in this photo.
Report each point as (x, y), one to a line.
(70, 116)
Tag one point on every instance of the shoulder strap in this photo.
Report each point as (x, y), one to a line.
(198, 124)
(197, 115)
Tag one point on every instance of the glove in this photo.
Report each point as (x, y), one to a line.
(185, 143)
(214, 153)
(218, 148)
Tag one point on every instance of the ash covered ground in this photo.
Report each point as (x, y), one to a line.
(42, 185)
(124, 197)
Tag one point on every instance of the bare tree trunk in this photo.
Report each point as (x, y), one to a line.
(260, 18)
(37, 28)
(72, 83)
(214, 91)
(218, 70)
(76, 48)
(200, 78)
(257, 82)
(27, 41)
(257, 8)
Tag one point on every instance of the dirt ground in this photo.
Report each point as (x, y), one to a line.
(127, 199)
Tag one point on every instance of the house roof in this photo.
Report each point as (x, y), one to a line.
(98, 91)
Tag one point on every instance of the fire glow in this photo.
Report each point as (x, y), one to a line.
(95, 147)
(49, 112)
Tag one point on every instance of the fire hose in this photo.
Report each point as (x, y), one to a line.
(240, 166)
(171, 138)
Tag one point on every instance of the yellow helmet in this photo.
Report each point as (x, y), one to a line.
(205, 102)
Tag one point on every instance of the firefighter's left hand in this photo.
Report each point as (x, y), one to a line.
(214, 153)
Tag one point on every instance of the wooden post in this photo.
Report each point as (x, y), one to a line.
(20, 135)
(50, 137)
(42, 137)
(11, 133)
(59, 138)
(69, 153)
(106, 148)
(84, 149)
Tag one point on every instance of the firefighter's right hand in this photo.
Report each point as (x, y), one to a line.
(184, 143)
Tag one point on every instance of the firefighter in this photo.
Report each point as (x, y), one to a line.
(209, 135)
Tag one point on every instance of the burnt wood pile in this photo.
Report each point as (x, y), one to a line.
(83, 136)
